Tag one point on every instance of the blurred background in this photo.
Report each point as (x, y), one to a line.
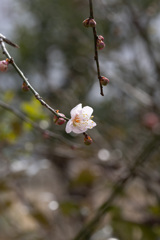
(52, 186)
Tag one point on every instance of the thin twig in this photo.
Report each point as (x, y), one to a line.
(143, 34)
(95, 48)
(8, 41)
(36, 94)
(148, 149)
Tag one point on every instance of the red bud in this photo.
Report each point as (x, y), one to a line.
(58, 120)
(25, 88)
(4, 65)
(89, 22)
(104, 81)
(100, 44)
(88, 140)
(100, 37)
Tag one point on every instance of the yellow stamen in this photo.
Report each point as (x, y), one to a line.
(76, 120)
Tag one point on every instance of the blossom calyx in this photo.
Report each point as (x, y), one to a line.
(4, 65)
(88, 140)
(104, 81)
(81, 119)
(89, 22)
(59, 120)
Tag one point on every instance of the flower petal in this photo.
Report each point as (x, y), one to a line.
(76, 110)
(69, 126)
(87, 110)
(91, 124)
(77, 130)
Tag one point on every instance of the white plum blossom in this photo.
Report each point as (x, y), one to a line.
(81, 119)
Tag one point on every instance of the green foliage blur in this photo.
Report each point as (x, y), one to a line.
(51, 186)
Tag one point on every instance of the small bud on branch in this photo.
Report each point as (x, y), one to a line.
(98, 43)
(59, 120)
(4, 65)
(89, 22)
(100, 37)
(87, 140)
(104, 81)
(25, 88)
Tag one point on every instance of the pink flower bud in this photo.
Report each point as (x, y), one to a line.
(100, 44)
(59, 120)
(88, 140)
(25, 88)
(150, 120)
(4, 65)
(86, 22)
(89, 22)
(104, 81)
(100, 37)
(92, 23)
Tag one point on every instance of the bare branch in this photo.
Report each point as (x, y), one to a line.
(96, 58)
(141, 158)
(36, 94)
(8, 41)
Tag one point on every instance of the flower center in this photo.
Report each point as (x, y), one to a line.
(76, 120)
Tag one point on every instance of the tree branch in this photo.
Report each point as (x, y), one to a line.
(36, 94)
(143, 34)
(141, 158)
(96, 58)
(29, 86)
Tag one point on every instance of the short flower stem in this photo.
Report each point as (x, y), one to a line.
(85, 134)
(95, 48)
